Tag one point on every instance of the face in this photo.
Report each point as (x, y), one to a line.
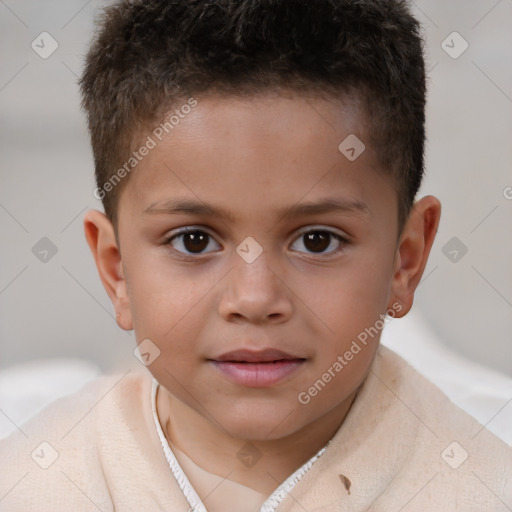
(247, 229)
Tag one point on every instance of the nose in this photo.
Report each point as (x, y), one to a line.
(255, 293)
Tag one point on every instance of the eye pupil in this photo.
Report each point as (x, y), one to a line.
(317, 241)
(195, 241)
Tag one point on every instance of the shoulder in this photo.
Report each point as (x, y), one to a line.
(432, 405)
(81, 410)
(60, 450)
(469, 462)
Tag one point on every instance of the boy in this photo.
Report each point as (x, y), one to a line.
(258, 162)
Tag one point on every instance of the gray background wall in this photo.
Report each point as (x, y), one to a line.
(58, 308)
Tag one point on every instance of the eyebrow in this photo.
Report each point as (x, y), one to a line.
(190, 207)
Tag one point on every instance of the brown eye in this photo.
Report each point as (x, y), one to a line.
(318, 241)
(192, 241)
(195, 241)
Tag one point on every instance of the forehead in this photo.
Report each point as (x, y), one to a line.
(256, 150)
(280, 121)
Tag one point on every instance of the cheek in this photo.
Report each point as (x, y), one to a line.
(163, 296)
(349, 298)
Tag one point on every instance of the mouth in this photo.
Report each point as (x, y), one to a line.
(257, 368)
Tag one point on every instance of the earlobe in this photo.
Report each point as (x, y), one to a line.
(100, 236)
(413, 250)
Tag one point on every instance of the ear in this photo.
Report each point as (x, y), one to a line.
(413, 250)
(100, 235)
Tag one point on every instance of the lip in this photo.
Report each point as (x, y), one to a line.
(255, 356)
(257, 369)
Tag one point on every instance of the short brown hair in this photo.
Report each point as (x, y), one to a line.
(149, 55)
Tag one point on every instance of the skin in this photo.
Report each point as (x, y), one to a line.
(255, 158)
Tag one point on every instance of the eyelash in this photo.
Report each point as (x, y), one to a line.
(341, 239)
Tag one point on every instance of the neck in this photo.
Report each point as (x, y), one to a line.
(260, 465)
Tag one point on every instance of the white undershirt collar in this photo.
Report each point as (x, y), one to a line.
(190, 493)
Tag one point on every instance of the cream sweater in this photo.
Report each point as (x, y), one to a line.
(403, 447)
